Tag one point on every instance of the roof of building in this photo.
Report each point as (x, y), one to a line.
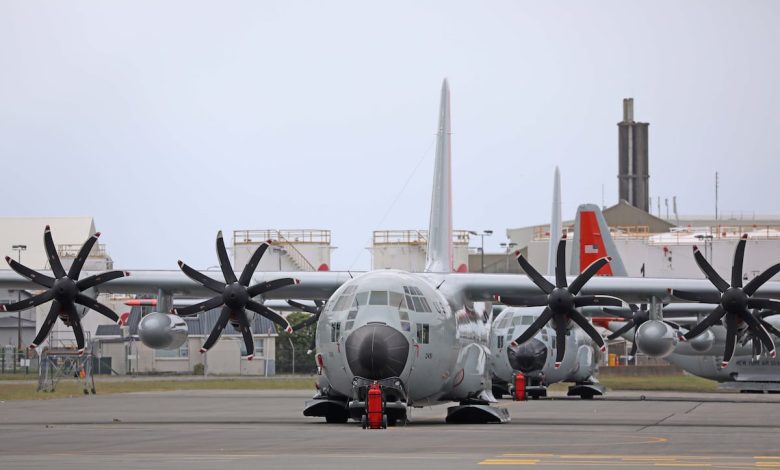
(624, 214)
(29, 231)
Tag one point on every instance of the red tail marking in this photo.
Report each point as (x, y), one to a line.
(462, 268)
(323, 267)
(591, 243)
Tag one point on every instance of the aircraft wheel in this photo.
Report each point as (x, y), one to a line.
(364, 421)
(384, 421)
(336, 419)
(587, 396)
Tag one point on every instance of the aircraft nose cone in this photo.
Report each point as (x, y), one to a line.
(377, 351)
(528, 357)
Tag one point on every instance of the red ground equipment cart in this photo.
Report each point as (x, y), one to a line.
(375, 417)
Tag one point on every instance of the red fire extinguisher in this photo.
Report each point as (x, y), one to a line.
(519, 387)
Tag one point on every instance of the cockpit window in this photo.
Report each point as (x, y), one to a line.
(527, 320)
(415, 300)
(516, 321)
(378, 297)
(505, 321)
(361, 299)
(396, 300)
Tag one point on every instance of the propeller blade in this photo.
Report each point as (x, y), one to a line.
(261, 309)
(672, 324)
(597, 300)
(587, 328)
(759, 331)
(711, 319)
(614, 312)
(769, 304)
(33, 301)
(222, 322)
(304, 307)
(761, 279)
(51, 253)
(534, 275)
(308, 322)
(313, 344)
(30, 274)
(224, 260)
(246, 332)
(709, 271)
(623, 329)
(93, 304)
(731, 340)
(586, 275)
(251, 265)
(264, 287)
(703, 297)
(633, 348)
(532, 301)
(75, 324)
(97, 279)
(51, 317)
(560, 264)
(560, 341)
(537, 325)
(770, 328)
(204, 306)
(739, 258)
(81, 258)
(200, 278)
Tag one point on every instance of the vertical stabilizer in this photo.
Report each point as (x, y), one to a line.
(593, 241)
(439, 256)
(555, 224)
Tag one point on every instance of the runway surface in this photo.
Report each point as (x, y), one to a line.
(265, 429)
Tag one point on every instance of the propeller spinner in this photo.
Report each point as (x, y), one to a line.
(733, 301)
(235, 295)
(64, 290)
(639, 315)
(561, 301)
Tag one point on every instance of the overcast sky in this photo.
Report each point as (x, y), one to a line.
(167, 121)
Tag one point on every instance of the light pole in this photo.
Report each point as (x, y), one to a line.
(482, 244)
(508, 247)
(289, 338)
(19, 249)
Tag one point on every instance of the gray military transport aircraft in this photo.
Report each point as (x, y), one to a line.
(416, 334)
(543, 358)
(747, 363)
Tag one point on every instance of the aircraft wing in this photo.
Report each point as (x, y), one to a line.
(483, 287)
(318, 285)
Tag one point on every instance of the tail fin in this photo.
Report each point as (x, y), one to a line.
(439, 257)
(593, 241)
(555, 224)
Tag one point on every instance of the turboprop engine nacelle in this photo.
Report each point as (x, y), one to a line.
(703, 342)
(162, 331)
(656, 338)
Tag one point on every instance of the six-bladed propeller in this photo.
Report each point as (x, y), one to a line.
(639, 315)
(64, 290)
(236, 297)
(561, 301)
(733, 302)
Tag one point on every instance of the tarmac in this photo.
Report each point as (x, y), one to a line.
(265, 429)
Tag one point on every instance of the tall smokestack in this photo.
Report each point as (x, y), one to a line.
(633, 165)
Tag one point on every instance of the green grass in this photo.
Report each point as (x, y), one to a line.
(70, 388)
(18, 376)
